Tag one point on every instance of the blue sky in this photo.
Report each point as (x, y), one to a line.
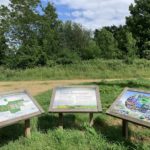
(91, 14)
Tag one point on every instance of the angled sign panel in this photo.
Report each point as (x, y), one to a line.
(132, 105)
(75, 99)
(16, 106)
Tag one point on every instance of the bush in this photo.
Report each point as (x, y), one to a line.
(67, 57)
(92, 51)
(146, 54)
(128, 60)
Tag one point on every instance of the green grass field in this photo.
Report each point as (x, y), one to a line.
(92, 69)
(77, 135)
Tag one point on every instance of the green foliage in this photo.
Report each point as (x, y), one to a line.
(92, 51)
(74, 37)
(131, 48)
(67, 57)
(139, 22)
(29, 38)
(126, 42)
(146, 54)
(107, 44)
(33, 37)
(90, 69)
(41, 39)
(3, 48)
(146, 51)
(104, 135)
(119, 34)
(130, 45)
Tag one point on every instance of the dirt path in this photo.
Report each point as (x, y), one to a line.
(36, 87)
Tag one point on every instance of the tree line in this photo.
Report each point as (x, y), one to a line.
(29, 37)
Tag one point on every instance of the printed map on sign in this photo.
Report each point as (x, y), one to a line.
(134, 104)
(75, 98)
(16, 105)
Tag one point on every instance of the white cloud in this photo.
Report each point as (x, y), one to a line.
(4, 2)
(76, 13)
(93, 13)
(97, 13)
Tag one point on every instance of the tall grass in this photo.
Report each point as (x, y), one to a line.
(82, 70)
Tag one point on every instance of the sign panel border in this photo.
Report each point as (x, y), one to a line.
(24, 117)
(125, 117)
(55, 110)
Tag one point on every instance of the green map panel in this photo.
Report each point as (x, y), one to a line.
(13, 106)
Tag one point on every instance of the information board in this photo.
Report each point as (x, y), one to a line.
(75, 99)
(16, 106)
(132, 105)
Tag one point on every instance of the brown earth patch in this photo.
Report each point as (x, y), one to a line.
(36, 87)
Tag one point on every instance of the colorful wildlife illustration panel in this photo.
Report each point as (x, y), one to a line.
(134, 104)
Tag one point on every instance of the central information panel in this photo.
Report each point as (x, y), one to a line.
(76, 99)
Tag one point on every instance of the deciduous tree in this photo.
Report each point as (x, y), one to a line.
(139, 22)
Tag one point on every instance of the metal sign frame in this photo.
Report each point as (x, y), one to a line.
(125, 117)
(23, 117)
(98, 109)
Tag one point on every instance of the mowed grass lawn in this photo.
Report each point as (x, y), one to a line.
(77, 135)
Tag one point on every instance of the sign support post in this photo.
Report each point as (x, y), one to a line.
(91, 120)
(125, 129)
(61, 120)
(27, 128)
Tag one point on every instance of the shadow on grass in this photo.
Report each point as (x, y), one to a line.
(47, 121)
(11, 133)
(51, 121)
(123, 84)
(112, 133)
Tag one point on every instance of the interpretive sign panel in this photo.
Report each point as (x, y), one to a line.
(75, 99)
(16, 106)
(132, 105)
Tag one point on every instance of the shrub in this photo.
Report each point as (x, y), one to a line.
(67, 57)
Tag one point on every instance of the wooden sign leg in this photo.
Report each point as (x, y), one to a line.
(27, 128)
(125, 129)
(61, 120)
(91, 120)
